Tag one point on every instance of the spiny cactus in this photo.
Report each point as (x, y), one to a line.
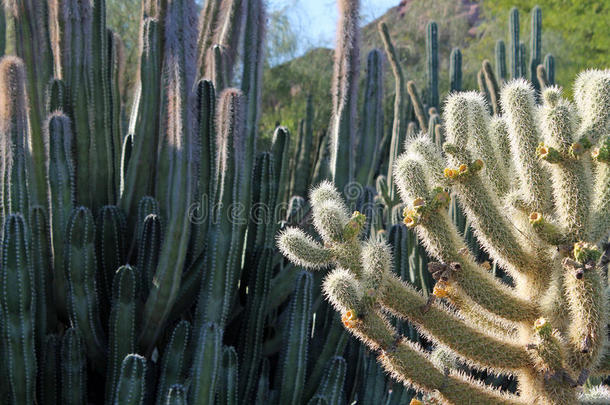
(501, 60)
(432, 63)
(513, 29)
(550, 330)
(535, 45)
(345, 92)
(455, 70)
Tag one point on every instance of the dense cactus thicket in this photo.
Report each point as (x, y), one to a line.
(139, 255)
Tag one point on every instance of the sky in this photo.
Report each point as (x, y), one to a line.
(317, 19)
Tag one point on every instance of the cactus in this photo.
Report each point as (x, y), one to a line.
(549, 65)
(400, 106)
(302, 167)
(557, 303)
(432, 63)
(493, 89)
(455, 70)
(513, 29)
(122, 324)
(206, 364)
(131, 384)
(345, 93)
(295, 352)
(19, 310)
(174, 364)
(535, 45)
(501, 60)
(73, 368)
(228, 388)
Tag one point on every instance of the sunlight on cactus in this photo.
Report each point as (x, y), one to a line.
(541, 223)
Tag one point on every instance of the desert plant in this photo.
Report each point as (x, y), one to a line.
(550, 330)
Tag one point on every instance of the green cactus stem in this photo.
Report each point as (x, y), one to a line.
(131, 384)
(455, 70)
(432, 63)
(73, 368)
(501, 60)
(513, 28)
(19, 310)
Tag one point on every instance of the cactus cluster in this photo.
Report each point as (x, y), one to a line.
(139, 261)
(538, 210)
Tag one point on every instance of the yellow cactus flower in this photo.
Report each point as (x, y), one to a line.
(415, 401)
(463, 169)
(440, 290)
(349, 318)
(450, 173)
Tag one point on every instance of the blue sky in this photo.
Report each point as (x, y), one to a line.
(316, 19)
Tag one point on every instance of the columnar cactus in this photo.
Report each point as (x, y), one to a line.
(513, 29)
(501, 60)
(535, 45)
(550, 329)
(345, 92)
(432, 63)
(455, 70)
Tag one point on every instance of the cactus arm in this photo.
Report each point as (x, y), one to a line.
(500, 60)
(587, 332)
(139, 179)
(480, 143)
(513, 27)
(122, 325)
(251, 86)
(542, 77)
(281, 156)
(345, 93)
(403, 359)
(303, 163)
(331, 386)
(110, 241)
(174, 361)
(432, 63)
(536, 46)
(49, 377)
(46, 317)
(295, 350)
(228, 387)
(571, 175)
(492, 87)
(174, 183)
(229, 35)
(206, 365)
(18, 304)
(522, 62)
(206, 180)
(149, 247)
(251, 341)
(31, 44)
(60, 178)
(467, 341)
(420, 111)
(400, 121)
(518, 104)
(455, 70)
(15, 133)
(224, 237)
(80, 269)
(549, 65)
(177, 395)
(73, 369)
(131, 384)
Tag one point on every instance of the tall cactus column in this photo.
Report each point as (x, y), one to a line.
(536, 46)
(513, 29)
(176, 180)
(432, 62)
(345, 93)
